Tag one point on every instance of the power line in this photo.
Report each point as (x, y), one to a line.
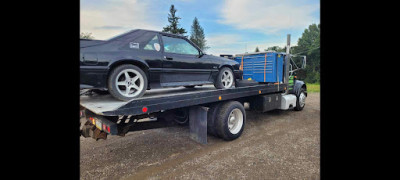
(305, 51)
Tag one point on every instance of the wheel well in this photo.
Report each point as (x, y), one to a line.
(133, 62)
(305, 88)
(226, 66)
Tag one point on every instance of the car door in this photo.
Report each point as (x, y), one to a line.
(182, 64)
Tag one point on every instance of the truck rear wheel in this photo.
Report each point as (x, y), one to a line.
(211, 118)
(230, 120)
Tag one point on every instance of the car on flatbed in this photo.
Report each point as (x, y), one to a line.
(129, 64)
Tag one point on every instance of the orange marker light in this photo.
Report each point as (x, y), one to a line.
(219, 97)
(259, 92)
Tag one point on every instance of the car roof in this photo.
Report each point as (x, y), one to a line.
(143, 30)
(165, 33)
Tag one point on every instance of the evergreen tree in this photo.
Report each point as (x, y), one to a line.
(257, 50)
(197, 35)
(174, 22)
(84, 35)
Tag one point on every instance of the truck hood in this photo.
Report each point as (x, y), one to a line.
(89, 43)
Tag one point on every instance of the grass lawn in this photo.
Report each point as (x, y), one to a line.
(313, 87)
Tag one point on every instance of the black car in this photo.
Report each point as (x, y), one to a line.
(128, 64)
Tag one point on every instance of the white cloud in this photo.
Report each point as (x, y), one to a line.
(237, 44)
(269, 16)
(115, 17)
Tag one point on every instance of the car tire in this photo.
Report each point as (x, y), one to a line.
(229, 128)
(224, 82)
(300, 100)
(126, 77)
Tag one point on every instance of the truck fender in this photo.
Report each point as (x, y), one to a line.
(297, 87)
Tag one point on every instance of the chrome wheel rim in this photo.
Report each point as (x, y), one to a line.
(302, 99)
(129, 83)
(227, 79)
(235, 121)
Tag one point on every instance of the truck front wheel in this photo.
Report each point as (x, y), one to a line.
(300, 100)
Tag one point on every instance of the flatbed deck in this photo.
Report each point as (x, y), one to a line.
(171, 98)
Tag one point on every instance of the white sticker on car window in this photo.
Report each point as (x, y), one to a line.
(134, 45)
(157, 46)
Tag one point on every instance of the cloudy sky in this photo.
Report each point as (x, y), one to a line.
(230, 26)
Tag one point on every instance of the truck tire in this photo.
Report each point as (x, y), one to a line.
(211, 116)
(230, 120)
(181, 116)
(225, 79)
(126, 78)
(300, 100)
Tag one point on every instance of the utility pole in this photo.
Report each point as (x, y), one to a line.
(287, 62)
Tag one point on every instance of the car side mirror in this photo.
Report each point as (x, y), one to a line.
(200, 54)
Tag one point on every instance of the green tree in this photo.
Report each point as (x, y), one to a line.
(174, 22)
(308, 45)
(257, 50)
(197, 35)
(84, 35)
(276, 48)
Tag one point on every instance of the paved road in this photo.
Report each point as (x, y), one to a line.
(274, 145)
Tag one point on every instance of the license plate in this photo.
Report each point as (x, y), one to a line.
(99, 124)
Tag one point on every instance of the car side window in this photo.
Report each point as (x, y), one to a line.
(153, 44)
(179, 46)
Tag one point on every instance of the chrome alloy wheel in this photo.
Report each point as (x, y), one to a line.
(129, 83)
(302, 99)
(235, 121)
(227, 79)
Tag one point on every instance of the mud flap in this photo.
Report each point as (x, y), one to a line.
(198, 124)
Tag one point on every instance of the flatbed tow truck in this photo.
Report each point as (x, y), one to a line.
(219, 112)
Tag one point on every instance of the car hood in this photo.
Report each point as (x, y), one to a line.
(221, 59)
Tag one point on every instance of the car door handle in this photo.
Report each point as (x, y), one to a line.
(168, 58)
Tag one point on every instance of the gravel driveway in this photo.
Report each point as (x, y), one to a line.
(274, 145)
